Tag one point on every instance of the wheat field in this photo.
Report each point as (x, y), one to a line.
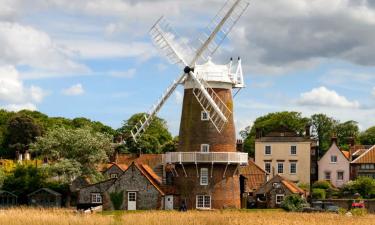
(27, 216)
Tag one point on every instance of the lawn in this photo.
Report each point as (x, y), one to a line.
(28, 216)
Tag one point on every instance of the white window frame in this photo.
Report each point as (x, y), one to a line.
(265, 167)
(201, 202)
(205, 115)
(335, 157)
(290, 167)
(276, 199)
(205, 148)
(291, 147)
(113, 175)
(265, 150)
(280, 163)
(337, 174)
(96, 198)
(204, 176)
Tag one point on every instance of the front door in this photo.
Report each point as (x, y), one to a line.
(169, 202)
(132, 200)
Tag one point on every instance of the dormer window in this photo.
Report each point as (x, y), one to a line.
(333, 158)
(205, 116)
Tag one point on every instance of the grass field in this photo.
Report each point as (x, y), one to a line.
(25, 216)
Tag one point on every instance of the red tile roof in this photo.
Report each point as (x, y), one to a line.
(255, 176)
(346, 154)
(292, 186)
(367, 157)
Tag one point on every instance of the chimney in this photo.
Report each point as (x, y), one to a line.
(351, 141)
(307, 130)
(239, 145)
(334, 139)
(258, 133)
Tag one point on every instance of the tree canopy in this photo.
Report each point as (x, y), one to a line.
(368, 136)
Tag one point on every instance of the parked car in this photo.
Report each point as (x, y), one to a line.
(319, 206)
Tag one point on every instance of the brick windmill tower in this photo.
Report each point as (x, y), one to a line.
(205, 168)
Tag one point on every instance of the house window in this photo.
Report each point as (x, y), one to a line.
(340, 175)
(293, 150)
(204, 116)
(267, 150)
(205, 148)
(279, 199)
(203, 202)
(327, 176)
(293, 167)
(280, 167)
(96, 198)
(333, 158)
(267, 167)
(113, 175)
(204, 176)
(367, 166)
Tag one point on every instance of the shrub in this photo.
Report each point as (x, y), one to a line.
(293, 203)
(365, 186)
(342, 211)
(117, 199)
(358, 212)
(321, 184)
(318, 193)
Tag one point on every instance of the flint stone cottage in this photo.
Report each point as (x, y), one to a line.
(44, 197)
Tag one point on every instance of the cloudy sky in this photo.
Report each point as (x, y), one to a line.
(94, 58)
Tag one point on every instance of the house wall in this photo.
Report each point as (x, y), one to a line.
(148, 197)
(342, 164)
(224, 191)
(356, 171)
(281, 152)
(113, 169)
(84, 194)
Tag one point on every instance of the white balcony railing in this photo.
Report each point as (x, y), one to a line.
(205, 157)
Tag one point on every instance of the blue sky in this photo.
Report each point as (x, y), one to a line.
(93, 58)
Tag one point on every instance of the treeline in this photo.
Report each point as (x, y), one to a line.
(322, 126)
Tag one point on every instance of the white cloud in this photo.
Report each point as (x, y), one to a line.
(324, 97)
(13, 92)
(74, 90)
(124, 74)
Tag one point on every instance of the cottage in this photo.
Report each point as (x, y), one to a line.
(114, 170)
(272, 193)
(7, 199)
(45, 197)
(363, 163)
(92, 195)
(287, 153)
(334, 165)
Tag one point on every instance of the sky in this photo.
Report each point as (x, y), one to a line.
(95, 59)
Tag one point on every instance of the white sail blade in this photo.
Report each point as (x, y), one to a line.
(167, 40)
(142, 124)
(219, 28)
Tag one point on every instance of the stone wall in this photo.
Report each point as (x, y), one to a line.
(84, 194)
(346, 203)
(114, 169)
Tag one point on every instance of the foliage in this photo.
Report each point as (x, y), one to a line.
(368, 137)
(323, 128)
(365, 186)
(318, 193)
(2, 177)
(66, 170)
(24, 180)
(304, 186)
(117, 198)
(170, 146)
(291, 120)
(152, 140)
(358, 212)
(344, 131)
(342, 211)
(293, 203)
(80, 147)
(322, 184)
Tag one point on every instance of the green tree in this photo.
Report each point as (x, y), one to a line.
(345, 131)
(368, 137)
(365, 186)
(290, 120)
(323, 129)
(82, 148)
(152, 140)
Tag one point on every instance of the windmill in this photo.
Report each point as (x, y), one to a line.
(178, 52)
(204, 170)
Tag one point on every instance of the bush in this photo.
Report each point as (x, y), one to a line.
(117, 199)
(342, 211)
(293, 203)
(365, 186)
(318, 193)
(322, 184)
(358, 212)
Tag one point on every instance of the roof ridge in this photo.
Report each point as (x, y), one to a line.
(367, 151)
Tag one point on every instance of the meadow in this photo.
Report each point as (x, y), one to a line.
(23, 216)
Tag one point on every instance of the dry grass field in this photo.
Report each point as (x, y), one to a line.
(24, 216)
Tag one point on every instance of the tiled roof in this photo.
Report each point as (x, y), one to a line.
(367, 157)
(152, 173)
(283, 139)
(346, 154)
(152, 160)
(292, 186)
(149, 177)
(255, 176)
(105, 167)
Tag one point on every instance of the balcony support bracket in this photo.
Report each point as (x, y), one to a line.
(183, 168)
(226, 167)
(196, 168)
(212, 168)
(236, 170)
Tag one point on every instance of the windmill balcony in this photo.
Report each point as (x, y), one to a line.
(206, 157)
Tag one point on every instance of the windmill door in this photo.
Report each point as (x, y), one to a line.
(132, 200)
(169, 202)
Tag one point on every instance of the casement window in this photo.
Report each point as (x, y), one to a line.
(96, 198)
(203, 202)
(280, 167)
(267, 167)
(279, 199)
(327, 175)
(293, 168)
(267, 150)
(293, 150)
(204, 176)
(340, 175)
(113, 175)
(367, 166)
(333, 158)
(205, 116)
(205, 148)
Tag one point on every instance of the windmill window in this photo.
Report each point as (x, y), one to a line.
(205, 148)
(205, 116)
(204, 176)
(203, 202)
